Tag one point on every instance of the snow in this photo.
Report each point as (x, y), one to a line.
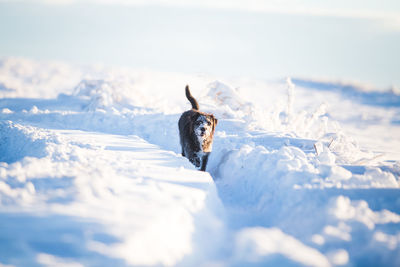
(302, 173)
(256, 242)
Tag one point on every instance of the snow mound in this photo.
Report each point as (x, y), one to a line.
(17, 142)
(231, 104)
(342, 208)
(108, 94)
(262, 244)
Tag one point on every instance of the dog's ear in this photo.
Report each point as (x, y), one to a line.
(215, 121)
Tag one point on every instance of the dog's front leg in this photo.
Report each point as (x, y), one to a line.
(204, 161)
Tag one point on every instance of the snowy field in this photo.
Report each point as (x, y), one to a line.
(303, 172)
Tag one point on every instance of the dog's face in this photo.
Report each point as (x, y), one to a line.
(204, 126)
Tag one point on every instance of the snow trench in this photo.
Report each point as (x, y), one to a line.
(264, 178)
(296, 190)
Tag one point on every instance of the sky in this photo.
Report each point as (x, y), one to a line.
(336, 40)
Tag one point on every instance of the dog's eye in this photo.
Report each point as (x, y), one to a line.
(208, 123)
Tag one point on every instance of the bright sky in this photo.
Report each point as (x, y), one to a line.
(383, 9)
(351, 40)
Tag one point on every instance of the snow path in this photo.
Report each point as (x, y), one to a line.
(99, 166)
(108, 195)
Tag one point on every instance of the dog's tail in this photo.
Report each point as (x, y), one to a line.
(191, 99)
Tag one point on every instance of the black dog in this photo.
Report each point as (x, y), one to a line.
(196, 132)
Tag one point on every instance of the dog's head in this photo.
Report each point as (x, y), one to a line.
(204, 126)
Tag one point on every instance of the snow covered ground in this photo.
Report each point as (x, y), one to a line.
(303, 172)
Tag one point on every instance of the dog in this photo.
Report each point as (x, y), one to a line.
(196, 132)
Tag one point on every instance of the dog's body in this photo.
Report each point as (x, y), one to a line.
(196, 132)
